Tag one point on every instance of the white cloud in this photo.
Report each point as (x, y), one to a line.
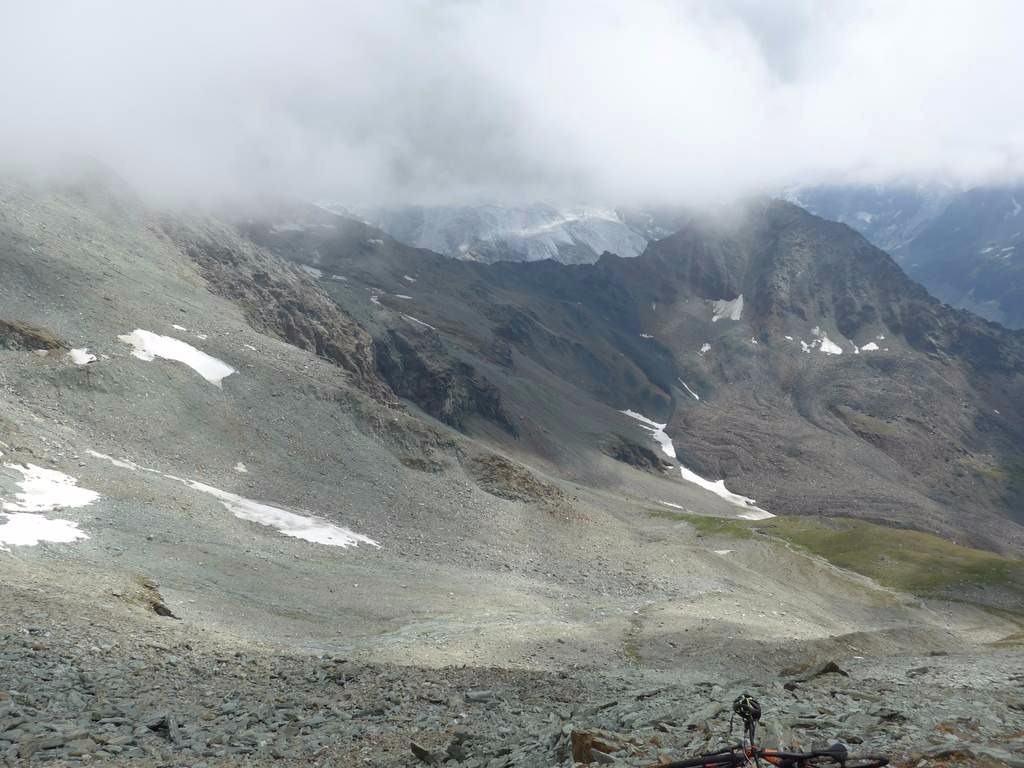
(425, 100)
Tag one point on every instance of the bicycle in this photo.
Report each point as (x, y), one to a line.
(748, 753)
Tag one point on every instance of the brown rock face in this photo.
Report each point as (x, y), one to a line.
(280, 299)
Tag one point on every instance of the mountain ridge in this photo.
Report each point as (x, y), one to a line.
(602, 333)
(964, 244)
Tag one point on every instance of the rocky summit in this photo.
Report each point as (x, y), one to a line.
(280, 489)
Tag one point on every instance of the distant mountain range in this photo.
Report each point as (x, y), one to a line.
(965, 245)
(489, 233)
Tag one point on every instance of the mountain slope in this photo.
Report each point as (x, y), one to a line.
(914, 423)
(223, 540)
(963, 245)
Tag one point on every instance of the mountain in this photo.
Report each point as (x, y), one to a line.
(788, 357)
(964, 245)
(489, 233)
(277, 489)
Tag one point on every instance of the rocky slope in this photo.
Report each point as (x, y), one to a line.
(75, 694)
(962, 244)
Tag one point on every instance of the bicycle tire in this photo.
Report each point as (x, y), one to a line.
(713, 760)
(824, 760)
(736, 757)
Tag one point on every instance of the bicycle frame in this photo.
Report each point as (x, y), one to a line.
(743, 756)
(748, 753)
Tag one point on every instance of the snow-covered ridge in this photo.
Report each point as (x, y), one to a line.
(149, 346)
(751, 510)
(519, 233)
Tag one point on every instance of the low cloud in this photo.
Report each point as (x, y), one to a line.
(461, 100)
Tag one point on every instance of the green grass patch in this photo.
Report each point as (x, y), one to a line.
(708, 526)
(911, 561)
(1016, 640)
(920, 563)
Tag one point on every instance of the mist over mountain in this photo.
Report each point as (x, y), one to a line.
(394, 103)
(491, 233)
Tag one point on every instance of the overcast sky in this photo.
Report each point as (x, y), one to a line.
(563, 100)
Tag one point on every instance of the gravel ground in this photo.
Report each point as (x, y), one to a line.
(116, 688)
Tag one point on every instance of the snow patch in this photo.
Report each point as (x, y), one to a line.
(81, 356)
(409, 279)
(149, 346)
(687, 388)
(241, 468)
(869, 347)
(177, 327)
(732, 310)
(826, 345)
(705, 348)
(718, 488)
(657, 432)
(24, 529)
(723, 551)
(829, 347)
(412, 319)
(670, 504)
(313, 271)
(646, 336)
(751, 511)
(402, 296)
(42, 490)
(290, 524)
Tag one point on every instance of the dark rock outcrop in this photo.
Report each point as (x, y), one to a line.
(281, 300)
(15, 335)
(449, 390)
